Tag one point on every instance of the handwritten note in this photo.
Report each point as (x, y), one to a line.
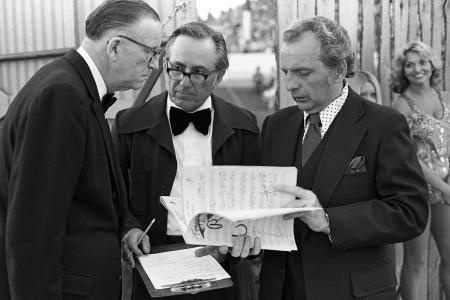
(172, 267)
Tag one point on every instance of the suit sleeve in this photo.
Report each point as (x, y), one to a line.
(122, 149)
(400, 212)
(47, 161)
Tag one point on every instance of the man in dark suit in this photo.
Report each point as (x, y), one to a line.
(62, 197)
(355, 160)
(184, 126)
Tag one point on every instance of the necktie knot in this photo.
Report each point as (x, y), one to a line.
(179, 120)
(107, 101)
(314, 119)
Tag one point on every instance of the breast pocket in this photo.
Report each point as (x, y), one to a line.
(139, 190)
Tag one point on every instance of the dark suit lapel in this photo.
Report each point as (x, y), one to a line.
(286, 139)
(221, 130)
(160, 129)
(227, 120)
(78, 62)
(344, 139)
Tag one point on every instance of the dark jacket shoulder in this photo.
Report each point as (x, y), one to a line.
(146, 115)
(234, 116)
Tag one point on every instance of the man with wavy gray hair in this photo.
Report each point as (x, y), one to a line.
(356, 165)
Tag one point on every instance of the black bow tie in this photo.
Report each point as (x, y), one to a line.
(179, 120)
(107, 101)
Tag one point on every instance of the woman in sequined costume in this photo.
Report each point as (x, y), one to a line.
(416, 75)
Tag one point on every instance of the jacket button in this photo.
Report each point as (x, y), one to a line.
(163, 187)
(119, 277)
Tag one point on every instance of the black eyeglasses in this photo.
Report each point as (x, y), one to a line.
(195, 77)
(153, 51)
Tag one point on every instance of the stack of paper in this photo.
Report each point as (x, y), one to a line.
(221, 202)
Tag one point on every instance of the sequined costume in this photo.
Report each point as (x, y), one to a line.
(431, 140)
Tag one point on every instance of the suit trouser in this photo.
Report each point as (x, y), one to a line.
(292, 289)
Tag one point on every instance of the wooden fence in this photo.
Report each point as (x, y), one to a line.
(378, 29)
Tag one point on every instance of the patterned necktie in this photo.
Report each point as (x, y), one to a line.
(179, 120)
(312, 137)
(107, 101)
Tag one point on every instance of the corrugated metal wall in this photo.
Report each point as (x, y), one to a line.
(26, 27)
(34, 32)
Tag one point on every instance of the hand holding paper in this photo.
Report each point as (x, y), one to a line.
(221, 203)
(243, 247)
(315, 219)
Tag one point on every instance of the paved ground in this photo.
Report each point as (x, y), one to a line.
(246, 97)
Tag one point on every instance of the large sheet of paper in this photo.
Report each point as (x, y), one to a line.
(173, 267)
(221, 202)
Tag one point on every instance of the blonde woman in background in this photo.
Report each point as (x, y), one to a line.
(367, 86)
(416, 75)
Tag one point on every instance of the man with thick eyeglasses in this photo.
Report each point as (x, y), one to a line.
(186, 125)
(195, 77)
(62, 197)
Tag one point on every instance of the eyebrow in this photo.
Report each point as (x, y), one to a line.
(195, 67)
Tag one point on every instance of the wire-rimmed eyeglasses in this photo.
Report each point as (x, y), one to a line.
(152, 51)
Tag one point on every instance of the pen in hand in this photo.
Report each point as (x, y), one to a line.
(146, 230)
(143, 234)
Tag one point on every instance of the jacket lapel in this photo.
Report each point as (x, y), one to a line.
(344, 139)
(160, 129)
(81, 66)
(221, 130)
(286, 139)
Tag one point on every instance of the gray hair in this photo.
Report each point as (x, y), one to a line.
(399, 82)
(202, 31)
(335, 45)
(115, 14)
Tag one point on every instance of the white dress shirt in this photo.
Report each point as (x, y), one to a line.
(99, 82)
(329, 113)
(192, 148)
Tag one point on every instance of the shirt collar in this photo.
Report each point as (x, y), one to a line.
(205, 105)
(328, 114)
(99, 82)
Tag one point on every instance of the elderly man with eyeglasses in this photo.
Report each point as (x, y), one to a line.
(184, 126)
(62, 197)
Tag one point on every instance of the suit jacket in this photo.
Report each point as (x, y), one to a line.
(61, 192)
(144, 141)
(367, 210)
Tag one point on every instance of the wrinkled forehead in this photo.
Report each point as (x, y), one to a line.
(193, 53)
(293, 57)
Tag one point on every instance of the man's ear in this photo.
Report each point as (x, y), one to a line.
(338, 73)
(112, 49)
(219, 77)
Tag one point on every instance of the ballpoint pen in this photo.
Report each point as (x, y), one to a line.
(146, 230)
(143, 235)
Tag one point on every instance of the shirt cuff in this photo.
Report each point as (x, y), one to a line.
(329, 229)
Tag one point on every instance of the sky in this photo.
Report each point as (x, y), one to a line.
(215, 6)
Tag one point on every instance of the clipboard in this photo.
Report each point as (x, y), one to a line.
(192, 286)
